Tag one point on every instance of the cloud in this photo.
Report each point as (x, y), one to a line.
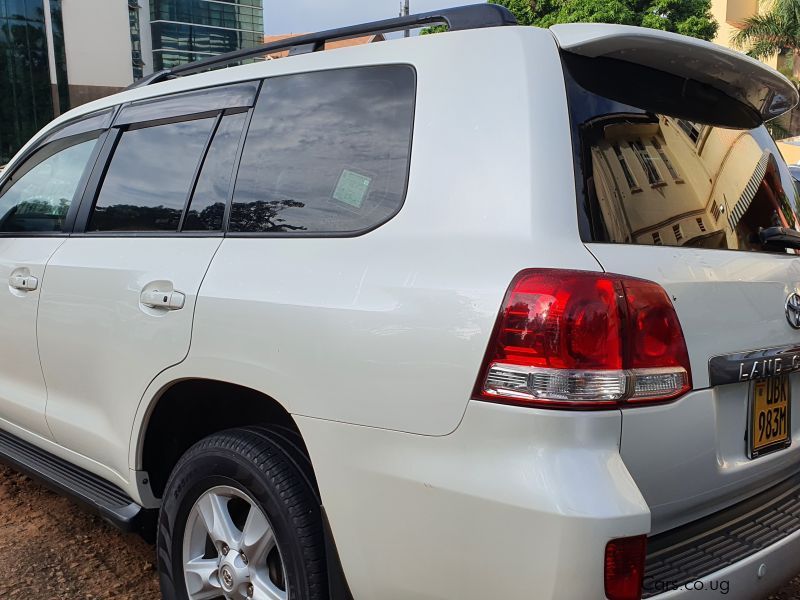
(300, 16)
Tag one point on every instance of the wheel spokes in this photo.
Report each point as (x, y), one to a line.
(257, 537)
(264, 589)
(201, 579)
(213, 510)
(223, 561)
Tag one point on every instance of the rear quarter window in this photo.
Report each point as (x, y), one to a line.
(653, 170)
(326, 152)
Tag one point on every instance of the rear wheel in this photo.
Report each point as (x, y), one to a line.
(240, 520)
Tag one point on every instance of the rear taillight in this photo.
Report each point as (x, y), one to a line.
(624, 568)
(576, 339)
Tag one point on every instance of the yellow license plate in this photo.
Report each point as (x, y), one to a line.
(770, 415)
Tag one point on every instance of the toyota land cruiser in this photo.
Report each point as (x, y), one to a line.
(503, 312)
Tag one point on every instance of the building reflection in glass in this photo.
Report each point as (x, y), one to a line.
(660, 180)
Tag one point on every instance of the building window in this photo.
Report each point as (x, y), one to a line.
(657, 239)
(693, 130)
(136, 40)
(623, 163)
(27, 100)
(701, 225)
(716, 211)
(60, 57)
(676, 229)
(647, 162)
(665, 159)
(185, 31)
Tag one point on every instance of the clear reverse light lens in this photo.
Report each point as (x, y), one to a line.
(658, 383)
(583, 387)
(534, 383)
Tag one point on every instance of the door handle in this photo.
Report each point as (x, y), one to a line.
(166, 300)
(24, 283)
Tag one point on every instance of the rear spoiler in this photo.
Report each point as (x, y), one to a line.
(734, 74)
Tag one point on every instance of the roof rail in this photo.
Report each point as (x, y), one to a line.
(475, 16)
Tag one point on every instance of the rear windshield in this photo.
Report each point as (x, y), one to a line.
(654, 169)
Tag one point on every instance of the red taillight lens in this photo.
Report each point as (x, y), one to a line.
(656, 336)
(561, 320)
(581, 339)
(624, 568)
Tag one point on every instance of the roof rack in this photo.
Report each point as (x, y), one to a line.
(474, 16)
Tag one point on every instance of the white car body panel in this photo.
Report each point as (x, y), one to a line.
(412, 515)
(23, 393)
(727, 302)
(99, 347)
(378, 299)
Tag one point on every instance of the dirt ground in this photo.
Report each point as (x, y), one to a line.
(50, 549)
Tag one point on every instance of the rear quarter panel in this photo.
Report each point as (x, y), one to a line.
(388, 329)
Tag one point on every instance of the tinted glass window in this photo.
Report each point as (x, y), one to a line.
(40, 197)
(326, 152)
(150, 176)
(653, 169)
(207, 208)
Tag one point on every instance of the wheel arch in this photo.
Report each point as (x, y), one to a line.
(251, 407)
(185, 410)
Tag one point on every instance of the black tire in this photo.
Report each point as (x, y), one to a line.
(269, 466)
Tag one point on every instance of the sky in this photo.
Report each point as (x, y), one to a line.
(301, 16)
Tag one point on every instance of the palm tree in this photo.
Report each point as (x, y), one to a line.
(777, 30)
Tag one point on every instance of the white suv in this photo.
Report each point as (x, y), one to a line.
(502, 312)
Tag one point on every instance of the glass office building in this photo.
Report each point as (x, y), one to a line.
(110, 44)
(189, 30)
(28, 98)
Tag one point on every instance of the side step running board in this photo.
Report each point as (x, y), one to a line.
(95, 493)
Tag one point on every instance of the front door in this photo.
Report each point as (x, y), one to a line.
(34, 206)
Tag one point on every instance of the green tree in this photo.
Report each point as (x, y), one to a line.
(777, 30)
(688, 17)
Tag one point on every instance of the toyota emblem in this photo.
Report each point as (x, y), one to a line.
(793, 310)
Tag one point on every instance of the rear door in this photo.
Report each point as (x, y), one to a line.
(678, 187)
(118, 302)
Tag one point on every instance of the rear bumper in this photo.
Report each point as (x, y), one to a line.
(753, 577)
(516, 504)
(744, 551)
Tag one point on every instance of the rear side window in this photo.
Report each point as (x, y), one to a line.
(149, 178)
(654, 170)
(326, 152)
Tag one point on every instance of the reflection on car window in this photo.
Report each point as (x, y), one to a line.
(654, 179)
(40, 199)
(211, 193)
(149, 178)
(326, 152)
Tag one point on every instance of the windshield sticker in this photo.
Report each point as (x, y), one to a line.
(352, 188)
